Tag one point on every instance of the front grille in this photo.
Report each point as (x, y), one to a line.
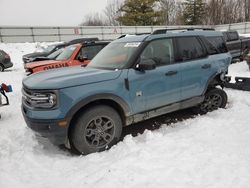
(26, 96)
(39, 99)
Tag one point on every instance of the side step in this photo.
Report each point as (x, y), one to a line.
(241, 83)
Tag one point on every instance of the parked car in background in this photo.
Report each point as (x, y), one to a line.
(77, 54)
(132, 79)
(237, 46)
(47, 51)
(36, 56)
(49, 57)
(5, 61)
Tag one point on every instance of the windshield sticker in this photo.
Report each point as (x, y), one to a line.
(132, 45)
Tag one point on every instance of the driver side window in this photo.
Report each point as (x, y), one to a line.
(161, 51)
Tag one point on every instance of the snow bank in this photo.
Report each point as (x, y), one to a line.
(206, 151)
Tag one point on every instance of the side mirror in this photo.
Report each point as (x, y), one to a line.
(82, 58)
(146, 64)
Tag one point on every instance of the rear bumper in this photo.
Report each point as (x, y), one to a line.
(8, 65)
(48, 129)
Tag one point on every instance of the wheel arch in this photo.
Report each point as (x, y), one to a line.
(213, 81)
(105, 99)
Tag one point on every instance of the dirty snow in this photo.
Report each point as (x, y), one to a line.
(206, 151)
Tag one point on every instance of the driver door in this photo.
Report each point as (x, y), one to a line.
(159, 87)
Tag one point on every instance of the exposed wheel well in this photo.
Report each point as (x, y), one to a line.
(215, 81)
(107, 102)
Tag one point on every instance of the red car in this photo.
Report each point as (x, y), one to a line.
(77, 54)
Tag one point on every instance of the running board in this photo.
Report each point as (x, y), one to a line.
(164, 110)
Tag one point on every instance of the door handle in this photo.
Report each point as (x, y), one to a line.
(171, 73)
(206, 66)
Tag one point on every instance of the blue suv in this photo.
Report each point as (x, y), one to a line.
(132, 79)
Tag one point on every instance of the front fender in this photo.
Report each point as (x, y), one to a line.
(104, 96)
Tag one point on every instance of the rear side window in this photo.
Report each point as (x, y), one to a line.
(3, 55)
(189, 48)
(233, 36)
(225, 36)
(211, 49)
(218, 43)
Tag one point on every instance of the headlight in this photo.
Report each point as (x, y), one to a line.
(40, 100)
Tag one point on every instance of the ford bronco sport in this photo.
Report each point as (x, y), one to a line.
(132, 79)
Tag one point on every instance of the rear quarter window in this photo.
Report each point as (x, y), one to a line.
(189, 48)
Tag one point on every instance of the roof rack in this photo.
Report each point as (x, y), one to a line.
(82, 40)
(125, 35)
(163, 31)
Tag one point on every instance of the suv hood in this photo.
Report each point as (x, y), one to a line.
(68, 77)
(36, 54)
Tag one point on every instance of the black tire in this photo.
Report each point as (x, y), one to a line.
(1, 68)
(214, 98)
(96, 129)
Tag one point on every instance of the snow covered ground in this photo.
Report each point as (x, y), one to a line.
(206, 151)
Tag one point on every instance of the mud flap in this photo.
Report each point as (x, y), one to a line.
(241, 83)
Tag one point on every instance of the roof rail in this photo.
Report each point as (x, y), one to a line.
(163, 31)
(125, 35)
(82, 40)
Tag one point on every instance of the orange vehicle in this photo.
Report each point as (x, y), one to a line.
(77, 54)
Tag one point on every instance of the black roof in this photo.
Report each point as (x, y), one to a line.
(82, 40)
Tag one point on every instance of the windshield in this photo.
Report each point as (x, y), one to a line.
(49, 48)
(55, 54)
(66, 53)
(114, 56)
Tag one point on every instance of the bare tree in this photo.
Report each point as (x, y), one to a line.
(225, 11)
(246, 5)
(111, 11)
(93, 20)
(168, 8)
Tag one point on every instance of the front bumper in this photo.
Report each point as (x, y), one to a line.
(49, 129)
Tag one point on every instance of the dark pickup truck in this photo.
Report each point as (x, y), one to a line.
(237, 46)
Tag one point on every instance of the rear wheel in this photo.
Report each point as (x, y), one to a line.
(96, 129)
(1, 68)
(214, 99)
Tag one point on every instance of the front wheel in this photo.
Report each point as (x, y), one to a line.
(96, 129)
(214, 99)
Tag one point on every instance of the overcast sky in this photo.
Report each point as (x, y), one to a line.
(47, 12)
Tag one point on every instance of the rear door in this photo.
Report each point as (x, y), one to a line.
(195, 66)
